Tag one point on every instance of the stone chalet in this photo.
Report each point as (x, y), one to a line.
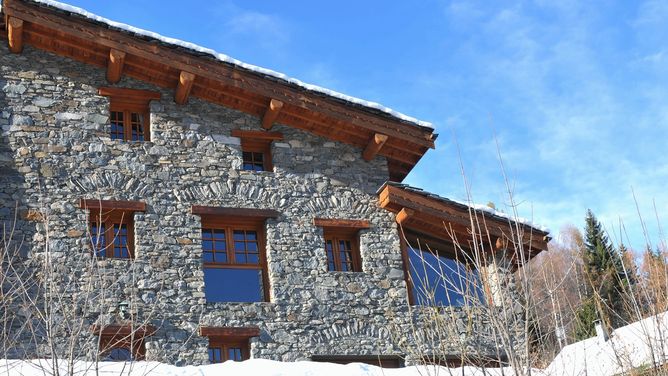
(170, 203)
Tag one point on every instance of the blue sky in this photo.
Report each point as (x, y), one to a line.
(575, 94)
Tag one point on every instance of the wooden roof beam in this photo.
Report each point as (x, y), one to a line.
(115, 65)
(15, 34)
(271, 114)
(186, 80)
(373, 147)
(404, 215)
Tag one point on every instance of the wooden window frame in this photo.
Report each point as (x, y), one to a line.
(128, 102)
(125, 336)
(110, 213)
(230, 337)
(257, 142)
(336, 230)
(441, 248)
(245, 220)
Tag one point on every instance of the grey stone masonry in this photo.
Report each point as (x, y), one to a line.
(55, 149)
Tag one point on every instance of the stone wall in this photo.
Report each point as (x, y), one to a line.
(56, 149)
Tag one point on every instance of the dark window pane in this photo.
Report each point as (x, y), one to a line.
(119, 355)
(97, 235)
(215, 355)
(234, 353)
(207, 257)
(219, 234)
(207, 244)
(233, 285)
(253, 259)
(330, 256)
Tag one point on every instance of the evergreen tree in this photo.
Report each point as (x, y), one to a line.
(608, 283)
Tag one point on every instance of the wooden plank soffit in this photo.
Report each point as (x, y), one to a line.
(341, 223)
(271, 114)
(373, 147)
(15, 34)
(234, 212)
(257, 135)
(93, 204)
(184, 86)
(115, 65)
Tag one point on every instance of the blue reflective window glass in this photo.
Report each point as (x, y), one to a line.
(442, 281)
(233, 285)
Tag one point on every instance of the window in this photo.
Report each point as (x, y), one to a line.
(256, 149)
(122, 342)
(112, 227)
(229, 343)
(129, 113)
(233, 254)
(437, 277)
(342, 243)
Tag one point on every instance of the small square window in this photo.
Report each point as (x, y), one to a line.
(111, 227)
(256, 149)
(229, 343)
(111, 233)
(122, 343)
(129, 113)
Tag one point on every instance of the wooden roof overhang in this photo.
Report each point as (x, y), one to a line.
(193, 73)
(445, 221)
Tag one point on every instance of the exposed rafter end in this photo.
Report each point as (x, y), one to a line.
(184, 86)
(271, 114)
(374, 146)
(15, 34)
(115, 65)
(404, 215)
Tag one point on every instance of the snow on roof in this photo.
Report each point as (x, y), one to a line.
(227, 59)
(643, 343)
(467, 205)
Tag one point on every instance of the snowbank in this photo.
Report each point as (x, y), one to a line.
(640, 344)
(260, 367)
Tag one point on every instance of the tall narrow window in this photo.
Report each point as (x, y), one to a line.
(342, 243)
(129, 113)
(256, 149)
(233, 254)
(112, 227)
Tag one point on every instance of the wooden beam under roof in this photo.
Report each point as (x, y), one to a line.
(15, 34)
(271, 114)
(373, 147)
(115, 65)
(186, 80)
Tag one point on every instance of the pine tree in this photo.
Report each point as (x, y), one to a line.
(608, 283)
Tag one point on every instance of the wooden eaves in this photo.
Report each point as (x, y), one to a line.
(195, 74)
(439, 218)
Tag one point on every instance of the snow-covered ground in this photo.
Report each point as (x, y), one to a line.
(640, 344)
(253, 367)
